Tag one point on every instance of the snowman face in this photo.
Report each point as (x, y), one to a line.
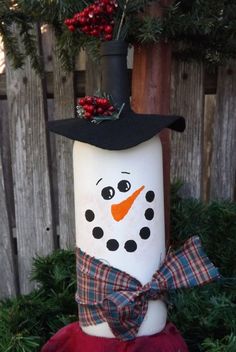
(119, 206)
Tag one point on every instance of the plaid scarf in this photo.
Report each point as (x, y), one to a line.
(107, 294)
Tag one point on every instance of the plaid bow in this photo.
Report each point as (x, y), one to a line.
(107, 294)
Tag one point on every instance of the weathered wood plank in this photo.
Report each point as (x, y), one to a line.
(64, 107)
(47, 47)
(80, 61)
(209, 117)
(186, 149)
(6, 161)
(79, 84)
(2, 57)
(223, 166)
(8, 286)
(30, 168)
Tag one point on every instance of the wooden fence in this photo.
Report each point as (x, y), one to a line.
(36, 184)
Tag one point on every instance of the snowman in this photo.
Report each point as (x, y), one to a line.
(120, 216)
(123, 272)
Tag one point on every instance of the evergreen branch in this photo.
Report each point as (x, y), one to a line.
(207, 29)
(147, 30)
(30, 42)
(122, 19)
(11, 46)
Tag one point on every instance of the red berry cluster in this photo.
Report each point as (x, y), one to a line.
(95, 20)
(96, 106)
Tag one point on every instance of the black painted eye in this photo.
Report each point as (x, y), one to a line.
(124, 186)
(108, 192)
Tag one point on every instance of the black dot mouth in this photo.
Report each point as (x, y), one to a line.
(89, 215)
(97, 232)
(112, 245)
(130, 246)
(150, 195)
(144, 233)
(149, 214)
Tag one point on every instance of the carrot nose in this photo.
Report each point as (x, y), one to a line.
(120, 210)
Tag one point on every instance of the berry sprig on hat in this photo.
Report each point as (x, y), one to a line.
(96, 20)
(97, 109)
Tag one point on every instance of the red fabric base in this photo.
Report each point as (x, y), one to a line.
(72, 339)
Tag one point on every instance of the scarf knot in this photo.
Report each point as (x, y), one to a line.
(108, 294)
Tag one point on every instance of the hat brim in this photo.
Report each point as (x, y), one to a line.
(128, 131)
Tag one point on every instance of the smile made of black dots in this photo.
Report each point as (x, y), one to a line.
(130, 245)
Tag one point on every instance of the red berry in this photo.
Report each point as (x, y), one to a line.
(89, 100)
(90, 109)
(67, 22)
(81, 101)
(87, 115)
(109, 9)
(98, 101)
(82, 20)
(71, 28)
(108, 37)
(93, 21)
(100, 111)
(86, 107)
(108, 29)
(97, 10)
(102, 5)
(77, 17)
(104, 102)
(95, 33)
(111, 108)
(86, 29)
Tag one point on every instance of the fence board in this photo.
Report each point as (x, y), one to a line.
(8, 279)
(223, 167)
(47, 47)
(209, 117)
(30, 169)
(64, 107)
(186, 149)
(6, 162)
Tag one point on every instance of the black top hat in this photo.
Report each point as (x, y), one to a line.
(131, 128)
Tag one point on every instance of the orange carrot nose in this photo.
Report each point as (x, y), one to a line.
(120, 210)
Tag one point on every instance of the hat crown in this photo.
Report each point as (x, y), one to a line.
(115, 77)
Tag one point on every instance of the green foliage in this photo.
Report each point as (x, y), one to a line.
(214, 223)
(204, 30)
(28, 321)
(199, 30)
(205, 316)
(227, 344)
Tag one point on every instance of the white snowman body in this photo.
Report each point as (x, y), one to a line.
(119, 212)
